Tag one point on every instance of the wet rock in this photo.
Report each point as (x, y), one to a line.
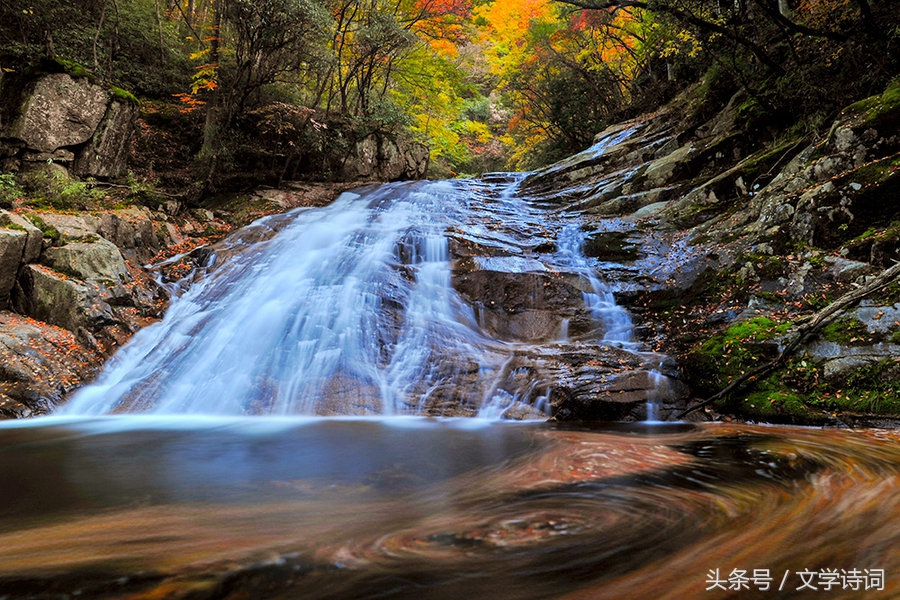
(523, 306)
(611, 246)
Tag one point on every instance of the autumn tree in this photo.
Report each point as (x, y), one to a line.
(794, 59)
(564, 73)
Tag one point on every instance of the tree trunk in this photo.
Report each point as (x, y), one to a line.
(209, 151)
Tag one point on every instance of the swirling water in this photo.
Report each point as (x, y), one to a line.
(409, 508)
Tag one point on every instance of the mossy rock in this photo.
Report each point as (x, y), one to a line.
(49, 231)
(124, 95)
(846, 331)
(775, 404)
(799, 393)
(61, 65)
(880, 112)
(727, 355)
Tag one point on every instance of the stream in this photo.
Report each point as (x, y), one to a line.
(351, 403)
(410, 507)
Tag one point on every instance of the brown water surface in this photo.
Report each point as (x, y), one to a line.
(146, 507)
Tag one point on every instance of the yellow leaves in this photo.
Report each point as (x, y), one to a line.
(478, 131)
(200, 54)
(205, 77)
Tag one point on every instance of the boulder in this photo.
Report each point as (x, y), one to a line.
(384, 158)
(68, 121)
(75, 227)
(97, 261)
(132, 230)
(106, 154)
(58, 300)
(12, 249)
(33, 243)
(59, 111)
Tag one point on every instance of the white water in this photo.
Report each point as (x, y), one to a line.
(615, 322)
(348, 310)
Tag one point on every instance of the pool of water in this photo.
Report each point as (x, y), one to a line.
(351, 508)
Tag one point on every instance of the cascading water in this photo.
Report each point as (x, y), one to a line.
(348, 310)
(616, 323)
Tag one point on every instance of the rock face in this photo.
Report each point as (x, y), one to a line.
(383, 158)
(106, 153)
(732, 231)
(75, 297)
(58, 111)
(12, 249)
(69, 121)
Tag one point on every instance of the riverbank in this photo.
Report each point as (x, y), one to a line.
(766, 233)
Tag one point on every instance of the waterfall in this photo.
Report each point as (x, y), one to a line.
(350, 309)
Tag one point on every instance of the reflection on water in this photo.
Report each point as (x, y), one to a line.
(143, 507)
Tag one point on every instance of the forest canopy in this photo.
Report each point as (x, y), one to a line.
(484, 84)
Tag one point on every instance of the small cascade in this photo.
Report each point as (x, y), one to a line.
(652, 409)
(616, 323)
(661, 392)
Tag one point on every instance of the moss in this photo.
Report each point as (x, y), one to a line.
(762, 163)
(73, 68)
(886, 110)
(846, 331)
(781, 405)
(892, 92)
(876, 172)
(13, 226)
(747, 112)
(864, 105)
(729, 354)
(895, 338)
(798, 393)
(871, 389)
(61, 65)
(49, 189)
(124, 95)
(870, 232)
(48, 231)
